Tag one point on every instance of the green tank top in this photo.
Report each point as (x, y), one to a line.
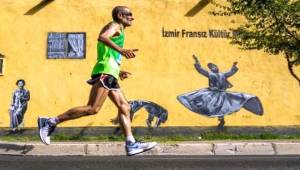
(108, 59)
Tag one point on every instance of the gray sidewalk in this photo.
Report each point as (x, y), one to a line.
(180, 148)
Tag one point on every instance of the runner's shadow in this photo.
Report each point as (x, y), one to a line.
(21, 131)
(14, 133)
(23, 149)
(117, 131)
(38, 7)
(82, 131)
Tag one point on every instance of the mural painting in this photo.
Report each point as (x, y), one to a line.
(215, 101)
(18, 106)
(154, 110)
(68, 41)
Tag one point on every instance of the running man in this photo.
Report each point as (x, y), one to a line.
(104, 81)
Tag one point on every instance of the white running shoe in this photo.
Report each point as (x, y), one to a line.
(138, 147)
(45, 129)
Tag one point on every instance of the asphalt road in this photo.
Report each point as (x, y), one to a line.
(149, 162)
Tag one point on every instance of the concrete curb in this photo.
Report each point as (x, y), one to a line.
(184, 148)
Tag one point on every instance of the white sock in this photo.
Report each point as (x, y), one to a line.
(54, 120)
(130, 139)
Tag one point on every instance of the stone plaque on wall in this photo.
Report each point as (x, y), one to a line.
(66, 45)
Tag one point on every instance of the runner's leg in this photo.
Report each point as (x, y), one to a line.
(123, 110)
(97, 97)
(131, 145)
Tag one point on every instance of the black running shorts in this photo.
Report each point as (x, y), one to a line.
(108, 81)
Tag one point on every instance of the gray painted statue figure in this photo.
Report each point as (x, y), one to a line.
(153, 109)
(215, 101)
(18, 105)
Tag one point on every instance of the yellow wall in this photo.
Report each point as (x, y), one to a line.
(162, 69)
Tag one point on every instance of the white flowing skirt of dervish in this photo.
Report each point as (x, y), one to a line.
(217, 103)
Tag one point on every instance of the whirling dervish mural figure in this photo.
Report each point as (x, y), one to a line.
(215, 101)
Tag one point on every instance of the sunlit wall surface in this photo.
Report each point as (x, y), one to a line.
(162, 70)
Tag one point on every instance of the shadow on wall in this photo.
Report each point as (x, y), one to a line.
(82, 132)
(38, 7)
(198, 7)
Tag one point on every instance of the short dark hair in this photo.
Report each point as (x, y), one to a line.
(116, 10)
(22, 80)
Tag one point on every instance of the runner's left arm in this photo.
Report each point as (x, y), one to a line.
(124, 74)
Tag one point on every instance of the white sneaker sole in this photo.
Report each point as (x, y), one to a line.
(137, 151)
(40, 131)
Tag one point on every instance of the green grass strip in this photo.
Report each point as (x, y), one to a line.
(163, 139)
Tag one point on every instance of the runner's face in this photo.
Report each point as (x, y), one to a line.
(127, 17)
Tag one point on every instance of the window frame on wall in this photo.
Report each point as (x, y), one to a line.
(67, 46)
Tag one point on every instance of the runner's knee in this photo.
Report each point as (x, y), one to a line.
(92, 110)
(124, 108)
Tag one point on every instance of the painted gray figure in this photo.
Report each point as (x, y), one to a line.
(18, 105)
(215, 101)
(153, 109)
